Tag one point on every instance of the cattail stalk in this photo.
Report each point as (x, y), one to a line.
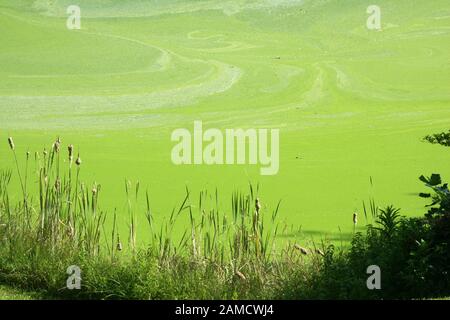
(75, 197)
(13, 148)
(355, 221)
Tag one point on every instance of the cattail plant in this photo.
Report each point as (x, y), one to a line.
(132, 213)
(45, 153)
(70, 150)
(57, 145)
(355, 218)
(13, 149)
(256, 226)
(119, 243)
(26, 170)
(78, 161)
(11, 143)
(257, 205)
(302, 250)
(320, 252)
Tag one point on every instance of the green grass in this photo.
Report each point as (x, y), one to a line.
(221, 254)
(351, 104)
(8, 293)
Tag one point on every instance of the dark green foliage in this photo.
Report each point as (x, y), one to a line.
(442, 138)
(440, 197)
(412, 253)
(388, 220)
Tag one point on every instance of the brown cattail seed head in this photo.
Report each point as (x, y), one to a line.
(11, 143)
(257, 205)
(56, 145)
(78, 161)
(355, 218)
(70, 149)
(119, 246)
(301, 249)
(240, 275)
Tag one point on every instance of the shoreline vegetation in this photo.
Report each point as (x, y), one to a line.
(219, 255)
(442, 138)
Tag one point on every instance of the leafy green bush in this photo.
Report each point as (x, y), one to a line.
(413, 255)
(442, 138)
(440, 205)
